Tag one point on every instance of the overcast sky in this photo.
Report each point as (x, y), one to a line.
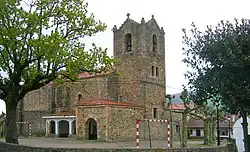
(172, 15)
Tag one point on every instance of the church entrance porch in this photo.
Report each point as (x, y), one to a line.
(60, 125)
(106, 120)
(91, 129)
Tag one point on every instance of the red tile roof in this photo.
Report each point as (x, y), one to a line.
(87, 75)
(178, 106)
(94, 102)
(181, 106)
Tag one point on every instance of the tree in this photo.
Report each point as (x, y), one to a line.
(41, 41)
(220, 64)
(188, 108)
(208, 114)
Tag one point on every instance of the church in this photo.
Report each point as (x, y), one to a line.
(106, 106)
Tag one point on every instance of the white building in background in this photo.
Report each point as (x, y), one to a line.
(196, 127)
(238, 134)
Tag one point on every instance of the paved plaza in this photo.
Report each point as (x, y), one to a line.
(74, 143)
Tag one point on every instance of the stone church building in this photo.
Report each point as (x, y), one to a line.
(105, 106)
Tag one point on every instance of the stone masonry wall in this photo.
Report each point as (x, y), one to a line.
(37, 123)
(113, 122)
(66, 94)
(158, 130)
(89, 88)
(49, 99)
(6, 147)
(98, 113)
(122, 122)
(113, 88)
(135, 67)
(37, 99)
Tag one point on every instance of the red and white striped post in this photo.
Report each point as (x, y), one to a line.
(168, 134)
(151, 120)
(137, 133)
(29, 126)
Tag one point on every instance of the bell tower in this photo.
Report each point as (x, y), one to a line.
(140, 48)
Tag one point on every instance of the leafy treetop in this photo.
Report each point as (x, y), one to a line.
(220, 61)
(40, 39)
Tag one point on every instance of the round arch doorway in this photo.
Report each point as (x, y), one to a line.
(52, 127)
(91, 129)
(63, 129)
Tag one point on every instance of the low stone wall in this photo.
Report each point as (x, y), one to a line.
(6, 147)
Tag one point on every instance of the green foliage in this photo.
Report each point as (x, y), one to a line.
(219, 59)
(117, 74)
(42, 41)
(185, 96)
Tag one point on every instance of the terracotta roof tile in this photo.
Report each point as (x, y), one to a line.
(87, 75)
(178, 106)
(181, 106)
(93, 102)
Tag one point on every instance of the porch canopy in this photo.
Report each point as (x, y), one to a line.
(60, 124)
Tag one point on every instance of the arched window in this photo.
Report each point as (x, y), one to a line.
(79, 97)
(128, 42)
(154, 43)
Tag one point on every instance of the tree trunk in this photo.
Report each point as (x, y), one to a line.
(212, 136)
(11, 126)
(206, 132)
(184, 130)
(245, 130)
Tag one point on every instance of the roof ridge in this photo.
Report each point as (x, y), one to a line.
(92, 102)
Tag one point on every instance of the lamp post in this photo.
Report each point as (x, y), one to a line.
(218, 125)
(229, 128)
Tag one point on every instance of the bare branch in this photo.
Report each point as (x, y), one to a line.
(9, 53)
(194, 109)
(194, 117)
(178, 111)
(197, 115)
(68, 77)
(164, 105)
(35, 84)
(24, 42)
(28, 62)
(48, 68)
